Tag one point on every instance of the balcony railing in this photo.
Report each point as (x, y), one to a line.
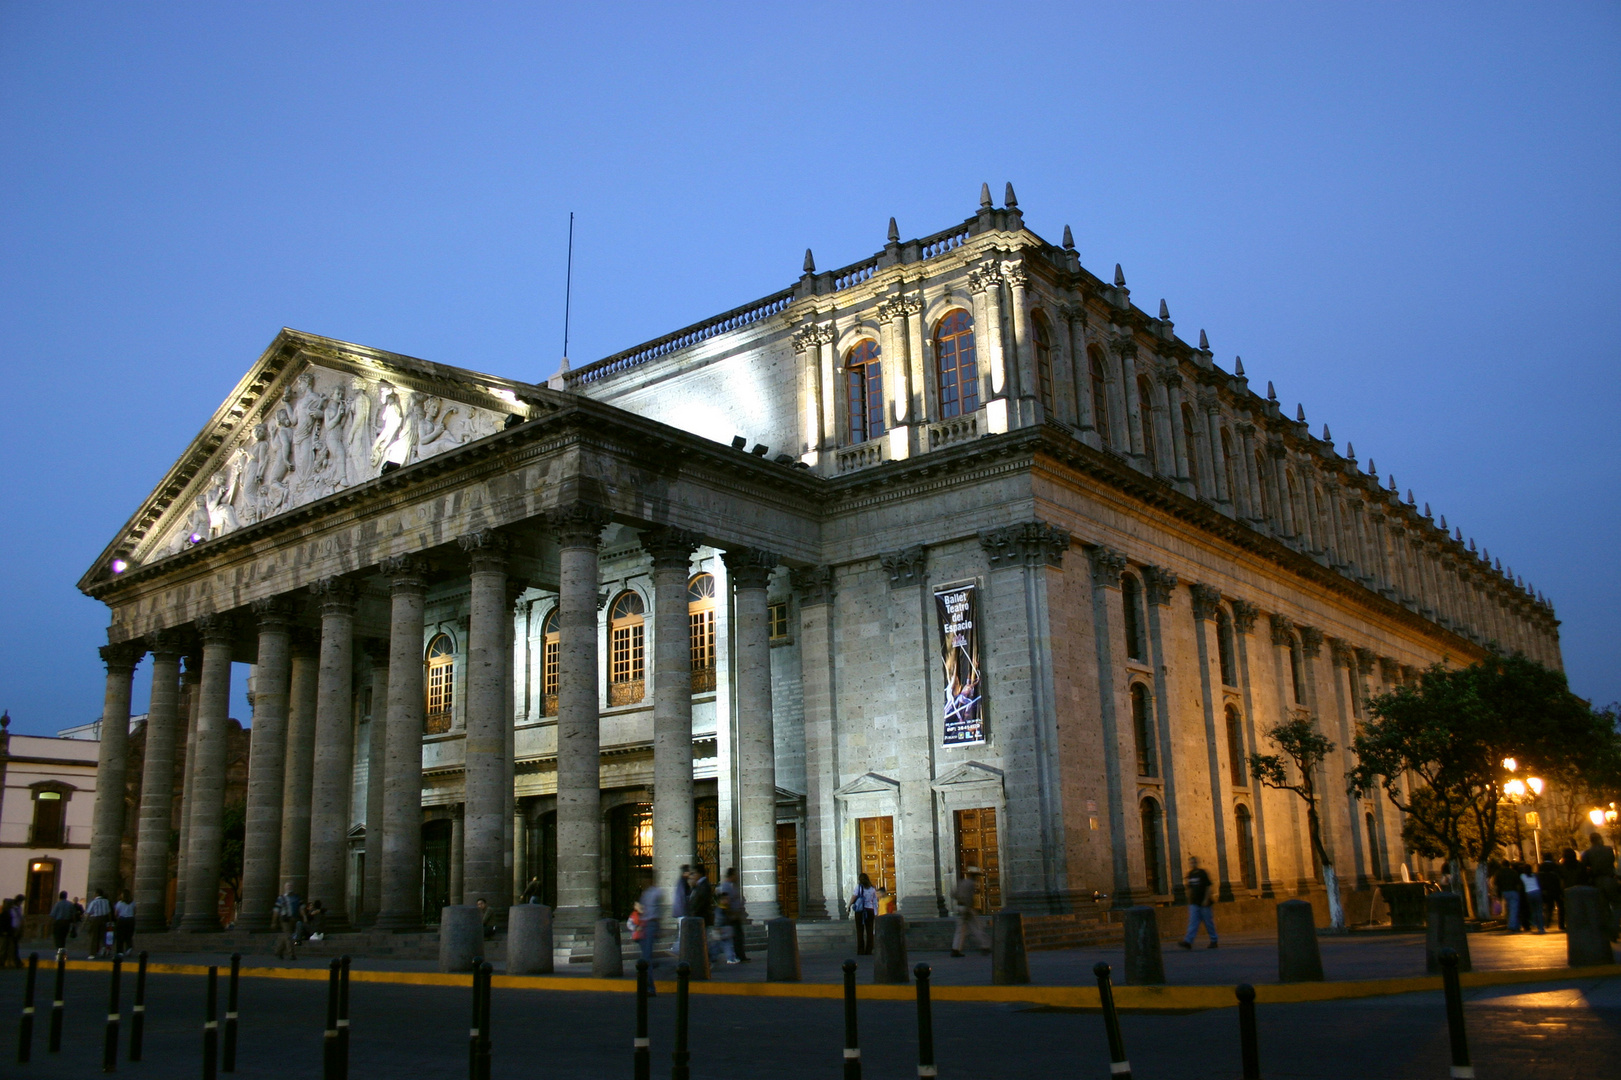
(628, 692)
(436, 723)
(862, 455)
(703, 680)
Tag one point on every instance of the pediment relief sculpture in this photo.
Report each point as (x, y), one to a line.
(328, 430)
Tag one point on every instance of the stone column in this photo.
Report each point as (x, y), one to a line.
(458, 854)
(300, 765)
(1160, 591)
(107, 835)
(192, 682)
(401, 907)
(1206, 602)
(484, 864)
(333, 778)
(750, 571)
(673, 825)
(1244, 616)
(819, 851)
(1024, 355)
(579, 774)
(157, 786)
(509, 743)
(520, 840)
(1114, 712)
(372, 887)
(267, 760)
(208, 777)
(985, 283)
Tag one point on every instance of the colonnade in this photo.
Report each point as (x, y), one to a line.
(300, 768)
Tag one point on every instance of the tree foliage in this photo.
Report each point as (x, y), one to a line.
(1306, 749)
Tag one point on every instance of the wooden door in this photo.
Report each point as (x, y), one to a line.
(876, 836)
(788, 870)
(976, 846)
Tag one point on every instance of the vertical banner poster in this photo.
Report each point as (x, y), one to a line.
(964, 720)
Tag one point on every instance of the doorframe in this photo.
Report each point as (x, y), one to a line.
(972, 785)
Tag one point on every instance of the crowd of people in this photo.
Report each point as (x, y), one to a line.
(1532, 897)
(297, 920)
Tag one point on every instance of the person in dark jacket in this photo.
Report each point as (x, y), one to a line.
(1507, 883)
(63, 914)
(1571, 871)
(1553, 889)
(701, 896)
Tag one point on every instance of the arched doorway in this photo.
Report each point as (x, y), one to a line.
(630, 853)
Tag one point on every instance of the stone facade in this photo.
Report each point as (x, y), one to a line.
(1163, 565)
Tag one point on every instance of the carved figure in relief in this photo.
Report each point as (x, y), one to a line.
(432, 423)
(280, 463)
(256, 461)
(218, 502)
(390, 424)
(359, 434)
(305, 404)
(334, 415)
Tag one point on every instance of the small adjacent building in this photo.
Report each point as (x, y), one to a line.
(47, 793)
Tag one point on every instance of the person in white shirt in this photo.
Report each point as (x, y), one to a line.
(864, 909)
(95, 921)
(124, 924)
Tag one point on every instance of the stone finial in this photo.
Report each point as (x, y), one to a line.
(1271, 394)
(1457, 533)
(985, 196)
(1373, 470)
(894, 233)
(1204, 342)
(1164, 312)
(1350, 451)
(1011, 200)
(1300, 413)
(1392, 483)
(810, 262)
(1119, 277)
(1069, 239)
(1443, 520)
(1471, 542)
(1427, 510)
(1499, 565)
(1238, 366)
(1326, 436)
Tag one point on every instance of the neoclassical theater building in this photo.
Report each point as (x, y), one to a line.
(953, 557)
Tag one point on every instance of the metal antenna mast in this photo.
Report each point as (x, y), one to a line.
(568, 284)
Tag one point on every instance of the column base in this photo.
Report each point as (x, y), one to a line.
(577, 918)
(764, 910)
(403, 922)
(207, 924)
(252, 922)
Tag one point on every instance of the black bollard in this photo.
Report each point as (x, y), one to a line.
(486, 970)
(925, 1023)
(852, 1044)
(329, 1042)
(25, 1026)
(228, 1054)
(1118, 1065)
(680, 1059)
(641, 1045)
(211, 1026)
(343, 1018)
(1460, 1039)
(109, 1044)
(54, 1042)
(473, 1031)
(137, 1012)
(1248, 1047)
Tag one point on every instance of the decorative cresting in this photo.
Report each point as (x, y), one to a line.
(750, 568)
(1030, 543)
(1283, 630)
(813, 584)
(1107, 566)
(578, 524)
(899, 307)
(1206, 599)
(811, 336)
(1161, 584)
(327, 431)
(904, 567)
(486, 550)
(1244, 616)
(1311, 641)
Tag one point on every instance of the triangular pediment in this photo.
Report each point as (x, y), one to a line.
(313, 417)
(969, 772)
(870, 784)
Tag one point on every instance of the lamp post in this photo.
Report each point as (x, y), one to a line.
(1519, 791)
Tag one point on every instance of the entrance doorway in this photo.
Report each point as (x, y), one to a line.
(976, 846)
(630, 853)
(543, 854)
(876, 836)
(435, 869)
(707, 826)
(788, 869)
(42, 877)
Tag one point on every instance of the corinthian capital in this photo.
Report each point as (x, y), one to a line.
(1107, 566)
(486, 549)
(1161, 584)
(814, 584)
(1029, 543)
(1206, 599)
(987, 275)
(272, 613)
(336, 595)
(1311, 640)
(904, 567)
(1283, 630)
(899, 307)
(578, 524)
(1244, 616)
(750, 568)
(1014, 274)
(122, 658)
(670, 547)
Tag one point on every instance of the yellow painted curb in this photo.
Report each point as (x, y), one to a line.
(1147, 998)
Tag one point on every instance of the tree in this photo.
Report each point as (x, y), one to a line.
(1451, 733)
(1307, 748)
(234, 826)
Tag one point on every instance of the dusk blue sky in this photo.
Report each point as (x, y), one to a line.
(1406, 216)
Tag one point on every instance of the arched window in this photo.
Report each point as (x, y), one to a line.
(1142, 726)
(1235, 749)
(1260, 485)
(626, 655)
(1227, 466)
(864, 382)
(50, 816)
(701, 622)
(1153, 862)
(441, 684)
(1100, 393)
(956, 367)
(1224, 648)
(1294, 523)
(1145, 410)
(551, 662)
(1191, 442)
(1246, 845)
(1042, 345)
(1297, 672)
(1131, 598)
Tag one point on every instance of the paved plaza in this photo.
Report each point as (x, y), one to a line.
(1568, 1028)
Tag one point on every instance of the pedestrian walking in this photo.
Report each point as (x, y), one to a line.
(486, 918)
(1599, 861)
(531, 892)
(678, 895)
(648, 915)
(1532, 914)
(964, 895)
(63, 912)
(701, 905)
(8, 935)
(864, 909)
(730, 899)
(1201, 892)
(1553, 890)
(96, 917)
(124, 923)
(286, 911)
(1507, 883)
